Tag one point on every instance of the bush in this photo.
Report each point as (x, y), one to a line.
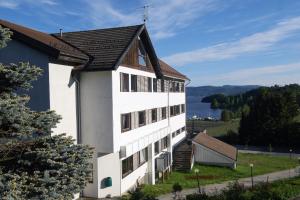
(202, 196)
(234, 191)
(138, 194)
(263, 192)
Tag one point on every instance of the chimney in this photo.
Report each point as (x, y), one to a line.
(60, 32)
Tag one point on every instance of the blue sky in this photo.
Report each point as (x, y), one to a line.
(213, 42)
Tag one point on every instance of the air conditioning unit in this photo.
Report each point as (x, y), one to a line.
(163, 161)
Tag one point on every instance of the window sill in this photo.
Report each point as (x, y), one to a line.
(141, 125)
(125, 130)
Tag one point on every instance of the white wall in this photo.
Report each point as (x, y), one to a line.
(96, 110)
(102, 104)
(130, 181)
(109, 166)
(208, 156)
(63, 98)
(124, 102)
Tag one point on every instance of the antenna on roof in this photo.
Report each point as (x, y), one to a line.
(146, 14)
(60, 32)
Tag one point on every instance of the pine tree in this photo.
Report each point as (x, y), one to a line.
(34, 164)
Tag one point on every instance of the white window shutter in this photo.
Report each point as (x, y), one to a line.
(136, 124)
(146, 84)
(138, 83)
(132, 120)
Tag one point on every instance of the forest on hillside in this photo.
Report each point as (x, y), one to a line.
(269, 115)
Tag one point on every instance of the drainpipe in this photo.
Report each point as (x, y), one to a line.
(78, 109)
(168, 103)
(186, 133)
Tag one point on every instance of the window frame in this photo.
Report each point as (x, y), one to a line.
(154, 84)
(149, 84)
(129, 166)
(156, 148)
(142, 54)
(154, 115)
(144, 116)
(124, 84)
(129, 123)
(133, 83)
(164, 113)
(145, 150)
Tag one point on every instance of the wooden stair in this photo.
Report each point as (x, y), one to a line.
(183, 157)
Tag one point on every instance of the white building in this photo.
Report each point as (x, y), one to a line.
(113, 93)
(211, 151)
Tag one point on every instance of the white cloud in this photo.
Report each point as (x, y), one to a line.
(253, 43)
(165, 17)
(169, 16)
(8, 4)
(269, 75)
(14, 4)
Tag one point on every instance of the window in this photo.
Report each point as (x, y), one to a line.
(178, 132)
(172, 113)
(154, 85)
(127, 166)
(126, 122)
(163, 113)
(173, 134)
(177, 109)
(143, 156)
(142, 118)
(182, 87)
(177, 86)
(183, 129)
(124, 80)
(162, 86)
(156, 147)
(149, 84)
(182, 108)
(142, 54)
(154, 115)
(173, 86)
(133, 83)
(164, 143)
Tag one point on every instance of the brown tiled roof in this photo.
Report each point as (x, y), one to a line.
(216, 145)
(106, 46)
(100, 49)
(167, 70)
(44, 42)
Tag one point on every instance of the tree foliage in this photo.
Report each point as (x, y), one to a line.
(34, 164)
(270, 119)
(226, 115)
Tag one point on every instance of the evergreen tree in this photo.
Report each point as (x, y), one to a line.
(34, 164)
(270, 113)
(226, 115)
(214, 104)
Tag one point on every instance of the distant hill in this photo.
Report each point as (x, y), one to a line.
(195, 94)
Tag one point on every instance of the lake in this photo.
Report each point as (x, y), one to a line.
(202, 110)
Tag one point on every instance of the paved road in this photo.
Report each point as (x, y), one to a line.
(209, 189)
(294, 155)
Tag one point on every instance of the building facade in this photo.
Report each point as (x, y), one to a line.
(114, 94)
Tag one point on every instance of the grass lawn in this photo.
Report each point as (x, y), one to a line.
(214, 128)
(262, 164)
(290, 187)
